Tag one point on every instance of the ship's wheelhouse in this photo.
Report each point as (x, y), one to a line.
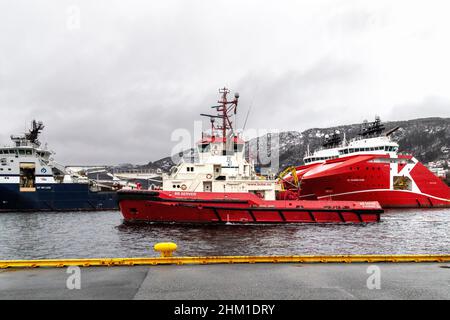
(351, 150)
(308, 160)
(219, 146)
(366, 146)
(221, 165)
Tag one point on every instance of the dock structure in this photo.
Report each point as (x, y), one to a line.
(229, 277)
(233, 281)
(167, 259)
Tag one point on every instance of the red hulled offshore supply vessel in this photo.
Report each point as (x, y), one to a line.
(366, 168)
(221, 186)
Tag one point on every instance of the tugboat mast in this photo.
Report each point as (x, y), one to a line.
(224, 110)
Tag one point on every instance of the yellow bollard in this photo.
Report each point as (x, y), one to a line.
(165, 248)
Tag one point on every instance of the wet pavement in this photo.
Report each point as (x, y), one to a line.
(238, 281)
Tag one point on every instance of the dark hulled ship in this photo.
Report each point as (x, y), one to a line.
(30, 180)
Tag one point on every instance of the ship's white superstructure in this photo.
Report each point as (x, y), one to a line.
(221, 165)
(28, 164)
(375, 145)
(30, 180)
(370, 140)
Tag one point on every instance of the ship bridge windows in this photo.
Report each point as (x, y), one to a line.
(206, 147)
(390, 149)
(227, 152)
(308, 160)
(238, 147)
(367, 149)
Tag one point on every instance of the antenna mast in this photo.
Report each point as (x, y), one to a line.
(224, 112)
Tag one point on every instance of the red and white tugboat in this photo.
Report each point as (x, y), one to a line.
(224, 187)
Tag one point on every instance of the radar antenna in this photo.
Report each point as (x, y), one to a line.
(333, 140)
(372, 129)
(224, 112)
(34, 132)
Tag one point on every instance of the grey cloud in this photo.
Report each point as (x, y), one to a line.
(297, 97)
(114, 90)
(430, 106)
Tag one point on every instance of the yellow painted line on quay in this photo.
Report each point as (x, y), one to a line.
(150, 261)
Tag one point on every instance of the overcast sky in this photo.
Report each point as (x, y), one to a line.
(111, 80)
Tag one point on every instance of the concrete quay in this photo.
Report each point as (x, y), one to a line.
(232, 281)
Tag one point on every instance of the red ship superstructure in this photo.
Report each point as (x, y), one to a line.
(367, 168)
(222, 186)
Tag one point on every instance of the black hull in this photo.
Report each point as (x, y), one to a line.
(56, 197)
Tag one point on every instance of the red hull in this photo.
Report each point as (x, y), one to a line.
(371, 178)
(207, 207)
(394, 199)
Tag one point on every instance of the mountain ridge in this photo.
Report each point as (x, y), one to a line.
(427, 139)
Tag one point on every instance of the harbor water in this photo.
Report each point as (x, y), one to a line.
(103, 234)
